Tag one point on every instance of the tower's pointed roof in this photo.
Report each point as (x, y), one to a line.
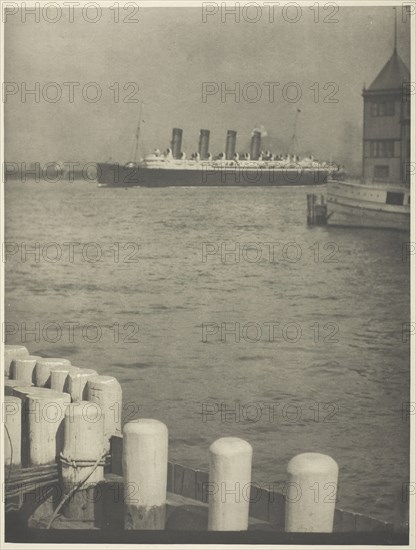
(392, 75)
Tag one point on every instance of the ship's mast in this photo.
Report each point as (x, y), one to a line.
(136, 148)
(294, 137)
(395, 30)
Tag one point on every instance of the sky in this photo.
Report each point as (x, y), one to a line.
(168, 54)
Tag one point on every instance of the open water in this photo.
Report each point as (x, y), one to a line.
(331, 376)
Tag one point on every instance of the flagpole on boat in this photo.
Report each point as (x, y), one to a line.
(294, 138)
(136, 150)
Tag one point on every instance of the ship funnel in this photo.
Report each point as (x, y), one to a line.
(255, 145)
(176, 143)
(230, 144)
(203, 147)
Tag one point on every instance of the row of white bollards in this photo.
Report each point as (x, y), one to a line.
(38, 393)
(145, 451)
(70, 414)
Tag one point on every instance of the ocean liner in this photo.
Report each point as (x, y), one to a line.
(172, 168)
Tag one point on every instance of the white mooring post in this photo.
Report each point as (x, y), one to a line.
(311, 490)
(22, 368)
(43, 370)
(12, 418)
(45, 410)
(106, 391)
(12, 352)
(22, 392)
(59, 377)
(229, 484)
(9, 386)
(145, 463)
(82, 456)
(77, 382)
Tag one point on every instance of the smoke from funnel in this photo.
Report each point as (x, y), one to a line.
(261, 129)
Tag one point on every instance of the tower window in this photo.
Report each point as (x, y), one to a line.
(382, 108)
(382, 148)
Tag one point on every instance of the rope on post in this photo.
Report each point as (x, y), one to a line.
(82, 458)
(99, 462)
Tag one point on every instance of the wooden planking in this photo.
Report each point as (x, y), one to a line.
(113, 503)
(30, 497)
(347, 522)
(363, 523)
(188, 483)
(202, 479)
(259, 502)
(169, 486)
(27, 480)
(112, 517)
(264, 505)
(177, 481)
(184, 514)
(277, 510)
(116, 452)
(21, 474)
(344, 522)
(184, 481)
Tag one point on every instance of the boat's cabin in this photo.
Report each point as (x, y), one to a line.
(397, 198)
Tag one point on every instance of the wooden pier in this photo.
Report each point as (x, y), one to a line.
(71, 465)
(316, 211)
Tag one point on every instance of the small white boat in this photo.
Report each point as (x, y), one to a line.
(374, 205)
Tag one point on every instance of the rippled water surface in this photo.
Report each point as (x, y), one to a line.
(335, 372)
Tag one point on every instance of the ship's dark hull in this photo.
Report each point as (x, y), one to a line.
(114, 175)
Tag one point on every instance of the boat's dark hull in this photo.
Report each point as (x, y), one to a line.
(114, 175)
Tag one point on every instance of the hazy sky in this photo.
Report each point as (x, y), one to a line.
(169, 53)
